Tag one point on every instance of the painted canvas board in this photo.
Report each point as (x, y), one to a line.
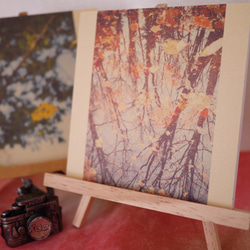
(153, 105)
(37, 61)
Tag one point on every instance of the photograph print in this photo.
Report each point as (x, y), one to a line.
(37, 60)
(152, 109)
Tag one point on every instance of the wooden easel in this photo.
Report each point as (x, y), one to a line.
(209, 215)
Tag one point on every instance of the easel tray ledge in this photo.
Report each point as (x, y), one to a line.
(206, 213)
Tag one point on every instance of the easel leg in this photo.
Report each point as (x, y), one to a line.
(212, 236)
(82, 210)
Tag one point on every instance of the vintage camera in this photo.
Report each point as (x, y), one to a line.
(35, 215)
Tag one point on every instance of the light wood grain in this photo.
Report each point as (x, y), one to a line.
(212, 236)
(221, 216)
(82, 210)
(31, 169)
(81, 92)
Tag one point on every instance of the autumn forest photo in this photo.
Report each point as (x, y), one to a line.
(153, 99)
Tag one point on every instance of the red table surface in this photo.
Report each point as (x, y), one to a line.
(115, 226)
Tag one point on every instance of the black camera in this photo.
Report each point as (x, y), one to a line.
(35, 215)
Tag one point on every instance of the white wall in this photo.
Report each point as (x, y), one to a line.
(10, 8)
(13, 7)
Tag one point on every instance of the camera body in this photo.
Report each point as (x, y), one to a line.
(35, 215)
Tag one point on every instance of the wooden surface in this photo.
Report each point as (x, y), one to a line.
(212, 236)
(31, 169)
(221, 216)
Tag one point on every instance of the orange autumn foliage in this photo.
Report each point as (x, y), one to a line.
(203, 22)
(217, 9)
(135, 71)
(219, 24)
(134, 26)
(172, 15)
(204, 113)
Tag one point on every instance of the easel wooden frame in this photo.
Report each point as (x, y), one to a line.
(209, 215)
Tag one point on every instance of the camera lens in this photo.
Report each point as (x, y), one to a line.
(39, 227)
